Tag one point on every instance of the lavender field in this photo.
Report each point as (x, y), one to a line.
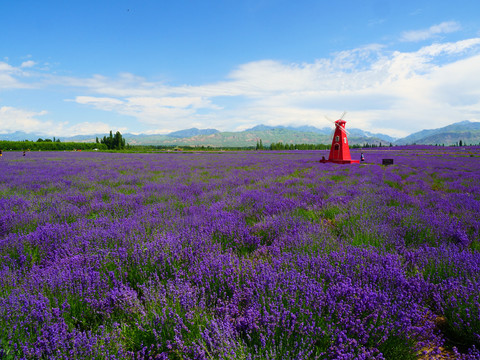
(240, 255)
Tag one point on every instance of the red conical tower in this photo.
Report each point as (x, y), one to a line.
(340, 152)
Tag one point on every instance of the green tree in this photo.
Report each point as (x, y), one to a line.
(116, 142)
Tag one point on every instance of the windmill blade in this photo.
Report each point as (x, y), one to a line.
(342, 128)
(336, 125)
(331, 133)
(332, 121)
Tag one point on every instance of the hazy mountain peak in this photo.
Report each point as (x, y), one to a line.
(192, 132)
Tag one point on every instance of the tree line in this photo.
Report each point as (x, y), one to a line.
(111, 142)
(282, 146)
(48, 146)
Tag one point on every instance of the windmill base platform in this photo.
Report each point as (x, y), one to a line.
(340, 161)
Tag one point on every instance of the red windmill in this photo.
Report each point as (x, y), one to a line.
(340, 152)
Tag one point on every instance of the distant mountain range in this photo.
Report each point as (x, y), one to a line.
(466, 131)
(182, 134)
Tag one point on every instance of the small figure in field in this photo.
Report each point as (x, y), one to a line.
(1, 153)
(23, 152)
(362, 158)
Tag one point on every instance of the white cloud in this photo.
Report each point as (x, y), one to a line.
(152, 110)
(450, 47)
(400, 91)
(172, 102)
(450, 78)
(425, 34)
(87, 128)
(13, 119)
(389, 91)
(20, 77)
(9, 77)
(124, 85)
(28, 64)
(101, 103)
(6, 68)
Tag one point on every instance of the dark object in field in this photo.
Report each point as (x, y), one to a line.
(387, 161)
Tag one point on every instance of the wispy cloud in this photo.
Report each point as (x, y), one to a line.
(150, 109)
(11, 77)
(102, 103)
(86, 128)
(435, 30)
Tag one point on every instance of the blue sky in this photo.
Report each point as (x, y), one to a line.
(144, 66)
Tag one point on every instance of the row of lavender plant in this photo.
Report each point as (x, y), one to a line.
(240, 255)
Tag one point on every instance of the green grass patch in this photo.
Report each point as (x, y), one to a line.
(416, 237)
(397, 347)
(475, 245)
(366, 238)
(228, 241)
(393, 184)
(313, 216)
(393, 202)
(330, 212)
(338, 178)
(156, 199)
(438, 270)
